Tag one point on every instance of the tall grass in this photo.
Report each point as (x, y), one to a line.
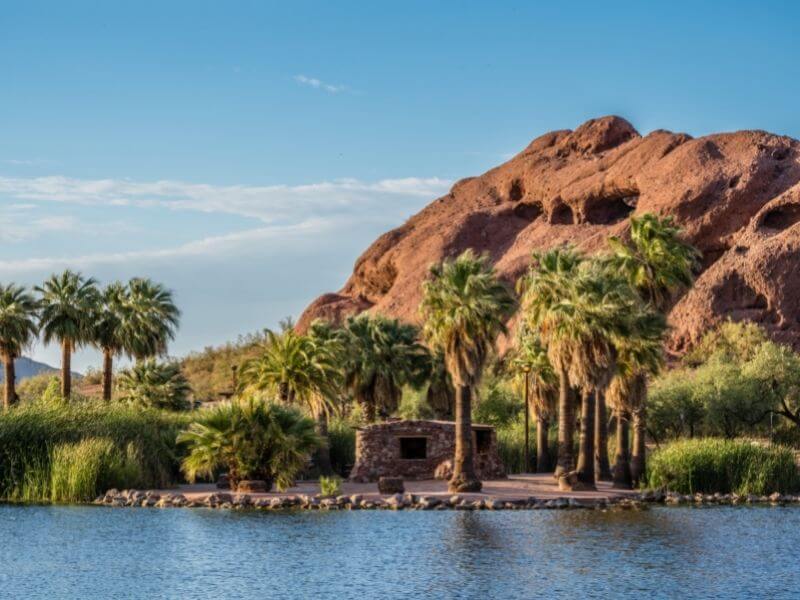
(57, 451)
(511, 446)
(713, 465)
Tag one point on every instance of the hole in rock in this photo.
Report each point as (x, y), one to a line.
(413, 448)
(781, 217)
(517, 191)
(612, 210)
(562, 215)
(529, 211)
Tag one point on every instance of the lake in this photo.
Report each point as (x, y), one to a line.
(87, 552)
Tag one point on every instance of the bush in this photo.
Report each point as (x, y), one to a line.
(330, 486)
(342, 441)
(511, 445)
(713, 465)
(43, 445)
(156, 385)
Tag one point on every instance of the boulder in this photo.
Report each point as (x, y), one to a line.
(253, 486)
(391, 485)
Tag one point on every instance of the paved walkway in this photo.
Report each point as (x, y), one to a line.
(516, 487)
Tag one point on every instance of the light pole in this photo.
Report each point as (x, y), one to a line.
(526, 459)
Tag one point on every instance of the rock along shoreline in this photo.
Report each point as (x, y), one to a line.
(407, 501)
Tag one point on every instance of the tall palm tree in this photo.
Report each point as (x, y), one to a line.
(659, 265)
(640, 356)
(299, 369)
(465, 307)
(107, 332)
(18, 328)
(541, 289)
(530, 357)
(67, 305)
(382, 355)
(441, 396)
(151, 318)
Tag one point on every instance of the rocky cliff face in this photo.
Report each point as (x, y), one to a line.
(737, 196)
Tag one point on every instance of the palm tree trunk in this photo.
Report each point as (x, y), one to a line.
(601, 466)
(542, 450)
(638, 465)
(108, 373)
(464, 477)
(322, 457)
(585, 468)
(622, 466)
(66, 369)
(10, 396)
(566, 425)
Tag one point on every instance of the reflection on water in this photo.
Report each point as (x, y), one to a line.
(85, 552)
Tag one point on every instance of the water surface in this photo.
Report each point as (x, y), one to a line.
(88, 552)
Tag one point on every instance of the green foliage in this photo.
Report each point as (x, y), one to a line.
(726, 466)
(156, 385)
(42, 386)
(731, 341)
(342, 441)
(81, 470)
(330, 486)
(498, 403)
(414, 405)
(67, 306)
(511, 445)
(34, 435)
(250, 438)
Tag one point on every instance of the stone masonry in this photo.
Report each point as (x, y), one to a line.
(420, 450)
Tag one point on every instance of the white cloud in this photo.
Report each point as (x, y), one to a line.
(320, 85)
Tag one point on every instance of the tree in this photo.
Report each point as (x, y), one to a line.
(530, 358)
(151, 319)
(465, 307)
(107, 333)
(18, 328)
(382, 355)
(541, 289)
(157, 385)
(659, 265)
(299, 369)
(67, 308)
(440, 394)
(639, 355)
(252, 439)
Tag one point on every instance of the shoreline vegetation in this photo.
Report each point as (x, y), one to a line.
(587, 351)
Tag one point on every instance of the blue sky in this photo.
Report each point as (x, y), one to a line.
(245, 153)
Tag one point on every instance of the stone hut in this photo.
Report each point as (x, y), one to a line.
(420, 450)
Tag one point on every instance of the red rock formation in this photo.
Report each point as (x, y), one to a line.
(736, 195)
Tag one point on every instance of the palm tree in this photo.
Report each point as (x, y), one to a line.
(18, 328)
(151, 318)
(441, 396)
(108, 330)
(465, 307)
(659, 265)
(530, 357)
(382, 355)
(541, 289)
(67, 307)
(152, 384)
(250, 438)
(640, 356)
(299, 369)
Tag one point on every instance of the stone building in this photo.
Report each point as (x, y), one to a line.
(420, 450)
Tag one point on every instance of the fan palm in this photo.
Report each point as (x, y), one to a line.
(382, 355)
(151, 318)
(153, 384)
(658, 264)
(299, 369)
(107, 330)
(542, 289)
(67, 308)
(465, 307)
(252, 439)
(530, 357)
(18, 328)
(640, 356)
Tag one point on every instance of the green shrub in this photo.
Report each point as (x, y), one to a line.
(330, 486)
(511, 445)
(342, 440)
(33, 435)
(712, 465)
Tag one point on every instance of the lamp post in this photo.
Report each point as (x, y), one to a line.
(526, 459)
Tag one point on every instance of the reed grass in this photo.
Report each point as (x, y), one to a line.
(711, 465)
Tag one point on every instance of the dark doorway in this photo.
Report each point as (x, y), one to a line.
(413, 448)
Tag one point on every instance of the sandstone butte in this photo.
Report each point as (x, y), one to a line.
(736, 195)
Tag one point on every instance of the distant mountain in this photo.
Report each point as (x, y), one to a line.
(26, 367)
